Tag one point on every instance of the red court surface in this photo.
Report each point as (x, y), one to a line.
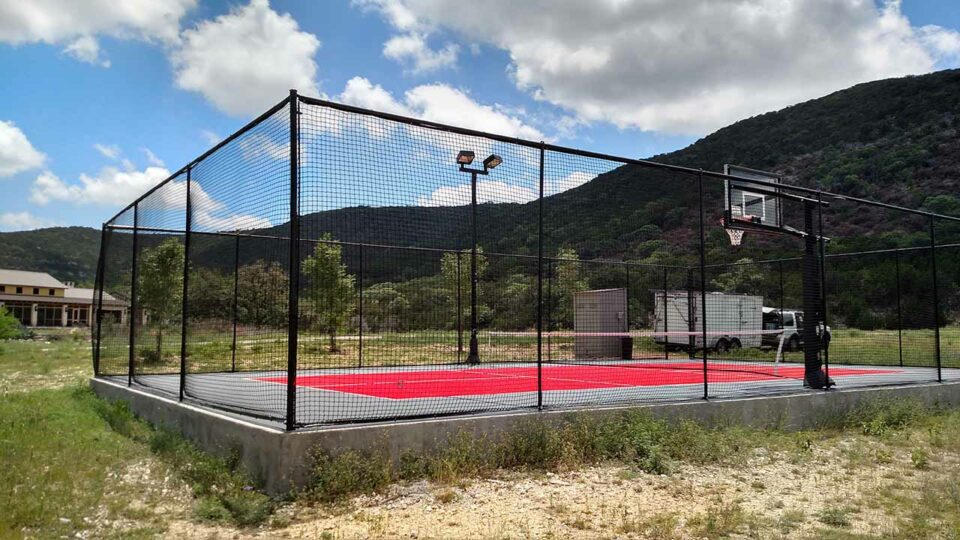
(505, 380)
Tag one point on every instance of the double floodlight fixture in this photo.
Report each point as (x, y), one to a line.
(466, 157)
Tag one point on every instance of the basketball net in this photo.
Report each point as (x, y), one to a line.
(736, 235)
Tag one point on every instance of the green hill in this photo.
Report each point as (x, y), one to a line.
(893, 140)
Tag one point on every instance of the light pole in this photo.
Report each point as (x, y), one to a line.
(465, 158)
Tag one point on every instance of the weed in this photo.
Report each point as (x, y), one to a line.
(348, 473)
(834, 517)
(920, 460)
(446, 496)
(719, 521)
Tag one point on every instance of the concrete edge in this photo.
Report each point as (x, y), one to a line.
(281, 461)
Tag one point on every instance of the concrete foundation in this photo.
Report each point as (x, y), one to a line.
(281, 461)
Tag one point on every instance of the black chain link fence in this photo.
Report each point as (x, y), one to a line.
(328, 264)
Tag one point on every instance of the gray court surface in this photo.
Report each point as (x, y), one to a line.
(246, 395)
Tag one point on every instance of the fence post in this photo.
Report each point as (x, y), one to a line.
(98, 315)
(899, 312)
(550, 270)
(236, 303)
(666, 328)
(459, 311)
(703, 286)
(293, 311)
(360, 313)
(186, 281)
(823, 292)
(540, 283)
(936, 294)
(134, 278)
(780, 316)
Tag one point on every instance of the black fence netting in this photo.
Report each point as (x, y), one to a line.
(329, 264)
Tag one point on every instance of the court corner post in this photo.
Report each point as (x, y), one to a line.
(186, 281)
(936, 294)
(293, 308)
(540, 282)
(703, 286)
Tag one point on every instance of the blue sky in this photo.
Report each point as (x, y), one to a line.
(98, 102)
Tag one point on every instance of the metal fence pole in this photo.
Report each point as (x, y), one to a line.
(360, 314)
(666, 329)
(186, 281)
(134, 277)
(459, 311)
(703, 286)
(540, 284)
(823, 293)
(780, 315)
(98, 315)
(899, 310)
(936, 294)
(550, 271)
(236, 301)
(293, 315)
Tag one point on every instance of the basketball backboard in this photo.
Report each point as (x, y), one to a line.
(753, 205)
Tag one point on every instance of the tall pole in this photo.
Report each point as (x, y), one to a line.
(459, 311)
(98, 315)
(780, 317)
(936, 294)
(540, 284)
(703, 286)
(134, 277)
(474, 356)
(236, 300)
(823, 292)
(899, 313)
(293, 313)
(186, 281)
(666, 328)
(360, 314)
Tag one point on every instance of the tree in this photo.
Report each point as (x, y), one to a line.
(743, 277)
(453, 271)
(9, 325)
(568, 280)
(329, 288)
(383, 306)
(262, 294)
(160, 287)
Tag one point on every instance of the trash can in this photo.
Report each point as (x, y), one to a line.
(626, 348)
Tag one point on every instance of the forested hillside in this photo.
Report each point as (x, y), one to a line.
(893, 140)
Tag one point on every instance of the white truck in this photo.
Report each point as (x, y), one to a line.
(792, 329)
(733, 320)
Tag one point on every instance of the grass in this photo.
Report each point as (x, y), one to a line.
(63, 476)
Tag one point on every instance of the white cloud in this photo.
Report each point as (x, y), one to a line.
(111, 186)
(76, 24)
(22, 221)
(246, 60)
(87, 49)
(411, 50)
(570, 181)
(488, 191)
(152, 158)
(209, 214)
(16, 152)
(211, 137)
(109, 151)
(692, 66)
(438, 103)
(259, 145)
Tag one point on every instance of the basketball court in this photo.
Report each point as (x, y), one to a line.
(332, 396)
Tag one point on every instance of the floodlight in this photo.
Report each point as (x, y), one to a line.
(465, 157)
(492, 161)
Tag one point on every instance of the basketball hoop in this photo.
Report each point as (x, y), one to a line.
(736, 236)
